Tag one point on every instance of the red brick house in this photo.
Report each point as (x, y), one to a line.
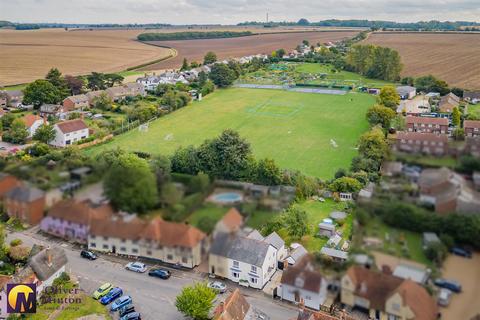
(425, 143)
(472, 146)
(7, 183)
(25, 203)
(424, 124)
(79, 101)
(448, 102)
(472, 128)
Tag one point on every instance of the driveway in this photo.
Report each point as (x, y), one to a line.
(154, 298)
(467, 272)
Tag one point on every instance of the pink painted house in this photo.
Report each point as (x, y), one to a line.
(71, 219)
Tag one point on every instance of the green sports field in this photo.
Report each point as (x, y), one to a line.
(314, 133)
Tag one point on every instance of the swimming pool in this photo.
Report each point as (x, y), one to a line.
(227, 197)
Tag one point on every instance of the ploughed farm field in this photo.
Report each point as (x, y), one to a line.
(314, 133)
(194, 50)
(27, 55)
(452, 57)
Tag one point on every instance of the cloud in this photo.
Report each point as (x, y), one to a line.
(233, 11)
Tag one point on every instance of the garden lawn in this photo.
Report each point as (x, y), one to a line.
(343, 76)
(474, 110)
(392, 244)
(317, 211)
(207, 211)
(314, 133)
(259, 218)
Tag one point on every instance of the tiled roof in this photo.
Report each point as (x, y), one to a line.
(24, 194)
(471, 124)
(30, 119)
(79, 98)
(418, 299)
(232, 220)
(306, 271)
(44, 267)
(79, 211)
(427, 120)
(422, 136)
(71, 125)
(235, 307)
(239, 248)
(118, 228)
(172, 234)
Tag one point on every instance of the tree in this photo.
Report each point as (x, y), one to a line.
(267, 173)
(102, 102)
(222, 75)
(296, 222)
(96, 81)
(408, 81)
(209, 58)
(161, 167)
(225, 157)
(54, 76)
(130, 185)
(185, 160)
(389, 97)
(7, 120)
(456, 117)
(431, 84)
(184, 65)
(373, 145)
(381, 115)
(202, 78)
(40, 92)
(18, 132)
(345, 184)
(281, 53)
(74, 84)
(436, 252)
(170, 195)
(306, 43)
(112, 79)
(196, 301)
(45, 133)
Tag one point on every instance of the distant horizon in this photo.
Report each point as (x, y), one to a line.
(231, 12)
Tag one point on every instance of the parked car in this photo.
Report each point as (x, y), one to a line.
(218, 286)
(121, 302)
(131, 316)
(449, 284)
(112, 295)
(444, 297)
(136, 266)
(88, 255)
(129, 308)
(159, 273)
(461, 252)
(102, 290)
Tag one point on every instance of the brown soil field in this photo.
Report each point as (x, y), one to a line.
(454, 57)
(28, 55)
(194, 50)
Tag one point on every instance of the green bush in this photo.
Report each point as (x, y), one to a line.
(16, 242)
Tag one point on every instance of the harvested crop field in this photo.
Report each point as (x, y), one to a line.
(194, 50)
(453, 57)
(28, 55)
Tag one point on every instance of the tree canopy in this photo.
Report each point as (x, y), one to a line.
(222, 75)
(196, 301)
(209, 58)
(45, 133)
(389, 97)
(130, 184)
(40, 92)
(375, 62)
(380, 115)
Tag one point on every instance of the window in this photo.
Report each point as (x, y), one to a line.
(123, 249)
(169, 257)
(105, 246)
(149, 252)
(92, 236)
(236, 264)
(93, 244)
(253, 280)
(67, 142)
(184, 259)
(105, 238)
(135, 250)
(235, 275)
(123, 240)
(254, 269)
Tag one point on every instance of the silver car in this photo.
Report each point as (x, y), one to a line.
(218, 286)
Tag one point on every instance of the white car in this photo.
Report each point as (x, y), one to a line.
(218, 286)
(136, 266)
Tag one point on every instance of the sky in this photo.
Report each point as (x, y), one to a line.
(233, 11)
